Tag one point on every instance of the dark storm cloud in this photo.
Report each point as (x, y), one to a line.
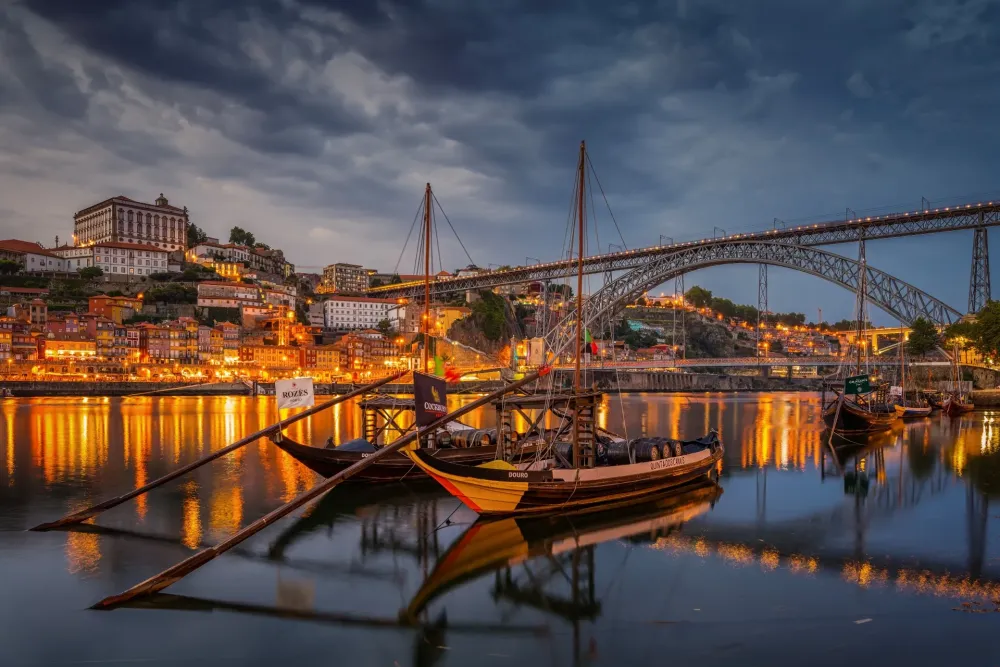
(698, 113)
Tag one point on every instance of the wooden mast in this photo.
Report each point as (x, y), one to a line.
(861, 325)
(577, 383)
(427, 276)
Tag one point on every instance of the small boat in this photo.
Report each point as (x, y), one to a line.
(390, 468)
(500, 488)
(956, 405)
(935, 400)
(854, 418)
(913, 410)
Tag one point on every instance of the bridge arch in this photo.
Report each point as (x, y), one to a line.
(896, 297)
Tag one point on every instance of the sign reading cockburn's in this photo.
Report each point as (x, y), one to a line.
(295, 393)
(429, 398)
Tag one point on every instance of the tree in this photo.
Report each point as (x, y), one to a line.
(962, 333)
(195, 235)
(240, 236)
(8, 267)
(385, 327)
(987, 329)
(699, 297)
(375, 282)
(923, 337)
(777, 346)
(641, 301)
(394, 279)
(91, 272)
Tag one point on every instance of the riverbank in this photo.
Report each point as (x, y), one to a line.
(624, 382)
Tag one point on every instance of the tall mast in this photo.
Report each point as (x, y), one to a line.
(579, 268)
(862, 295)
(577, 384)
(427, 275)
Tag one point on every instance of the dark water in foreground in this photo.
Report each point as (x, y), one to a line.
(790, 565)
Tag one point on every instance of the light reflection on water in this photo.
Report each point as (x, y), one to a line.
(904, 520)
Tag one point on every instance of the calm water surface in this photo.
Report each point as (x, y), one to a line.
(883, 555)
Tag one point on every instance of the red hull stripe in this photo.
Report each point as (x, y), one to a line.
(455, 492)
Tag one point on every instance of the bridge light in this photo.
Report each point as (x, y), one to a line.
(947, 208)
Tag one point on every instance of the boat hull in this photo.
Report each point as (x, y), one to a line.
(504, 492)
(853, 419)
(913, 412)
(389, 468)
(953, 408)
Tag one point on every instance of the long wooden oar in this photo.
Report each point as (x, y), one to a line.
(85, 514)
(175, 573)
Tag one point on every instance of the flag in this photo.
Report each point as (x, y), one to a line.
(295, 393)
(429, 395)
(438, 366)
(591, 345)
(452, 374)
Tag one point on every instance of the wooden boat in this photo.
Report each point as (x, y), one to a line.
(500, 488)
(935, 400)
(393, 467)
(956, 405)
(914, 411)
(491, 544)
(854, 418)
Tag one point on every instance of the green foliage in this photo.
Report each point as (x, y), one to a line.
(172, 293)
(699, 297)
(394, 279)
(790, 319)
(26, 281)
(91, 272)
(846, 325)
(161, 277)
(634, 339)
(385, 327)
(114, 292)
(240, 236)
(262, 246)
(923, 337)
(9, 267)
(987, 339)
(641, 301)
(964, 334)
(375, 282)
(214, 315)
(195, 235)
(777, 346)
(489, 315)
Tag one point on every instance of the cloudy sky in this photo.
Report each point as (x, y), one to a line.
(315, 123)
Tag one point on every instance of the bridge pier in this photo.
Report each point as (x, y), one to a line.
(979, 280)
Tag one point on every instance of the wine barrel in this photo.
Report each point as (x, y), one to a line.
(646, 449)
(564, 451)
(618, 453)
(442, 438)
(470, 437)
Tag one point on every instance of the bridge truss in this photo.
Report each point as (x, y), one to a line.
(896, 297)
(977, 217)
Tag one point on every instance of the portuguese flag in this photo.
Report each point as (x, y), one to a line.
(591, 346)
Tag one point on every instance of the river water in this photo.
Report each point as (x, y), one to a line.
(882, 554)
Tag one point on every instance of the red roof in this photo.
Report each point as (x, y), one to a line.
(122, 199)
(13, 245)
(24, 290)
(129, 246)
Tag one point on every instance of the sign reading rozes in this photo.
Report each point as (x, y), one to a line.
(295, 393)
(857, 384)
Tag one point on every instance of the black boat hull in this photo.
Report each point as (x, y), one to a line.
(854, 419)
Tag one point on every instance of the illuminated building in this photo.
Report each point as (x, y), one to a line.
(115, 308)
(215, 294)
(117, 258)
(344, 278)
(69, 345)
(32, 257)
(272, 357)
(358, 312)
(265, 260)
(230, 341)
(125, 220)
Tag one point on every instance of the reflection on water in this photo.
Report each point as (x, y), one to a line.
(900, 519)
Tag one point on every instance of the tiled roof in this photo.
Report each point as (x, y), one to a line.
(14, 245)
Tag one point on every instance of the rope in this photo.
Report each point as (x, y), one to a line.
(403, 251)
(606, 203)
(452, 228)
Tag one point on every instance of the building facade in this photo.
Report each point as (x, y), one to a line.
(115, 258)
(125, 220)
(214, 294)
(344, 278)
(357, 312)
(32, 257)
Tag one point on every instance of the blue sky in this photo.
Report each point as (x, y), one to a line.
(315, 124)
